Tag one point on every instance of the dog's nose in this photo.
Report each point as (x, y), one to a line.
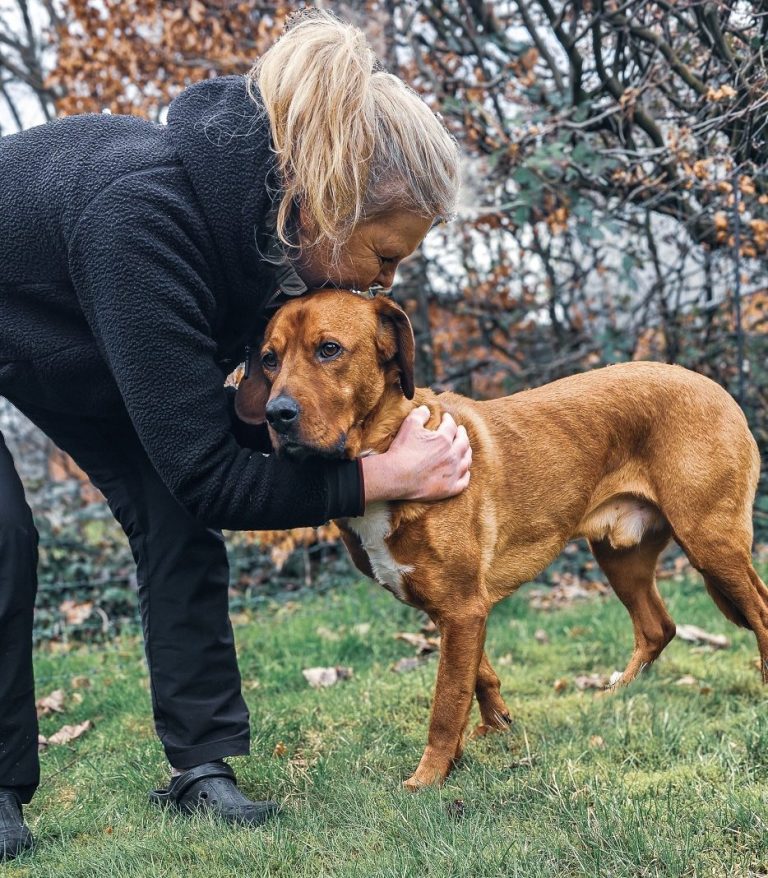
(282, 413)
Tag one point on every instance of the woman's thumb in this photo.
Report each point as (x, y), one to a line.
(420, 415)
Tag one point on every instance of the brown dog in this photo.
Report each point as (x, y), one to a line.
(626, 456)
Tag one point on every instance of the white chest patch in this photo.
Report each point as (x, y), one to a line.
(373, 528)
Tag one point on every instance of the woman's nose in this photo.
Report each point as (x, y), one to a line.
(386, 277)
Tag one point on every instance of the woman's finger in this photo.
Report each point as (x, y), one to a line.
(448, 427)
(419, 415)
(461, 442)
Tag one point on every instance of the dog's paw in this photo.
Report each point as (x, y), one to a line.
(413, 784)
(423, 779)
(497, 722)
(616, 684)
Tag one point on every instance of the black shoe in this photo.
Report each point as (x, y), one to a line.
(14, 835)
(212, 788)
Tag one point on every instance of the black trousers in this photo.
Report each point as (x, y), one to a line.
(183, 579)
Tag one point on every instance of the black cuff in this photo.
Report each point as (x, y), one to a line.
(346, 493)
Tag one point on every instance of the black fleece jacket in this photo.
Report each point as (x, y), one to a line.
(130, 280)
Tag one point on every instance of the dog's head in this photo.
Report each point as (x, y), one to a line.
(326, 362)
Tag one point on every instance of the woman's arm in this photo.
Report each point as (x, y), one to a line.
(138, 267)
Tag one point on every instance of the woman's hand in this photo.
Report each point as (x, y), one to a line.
(420, 464)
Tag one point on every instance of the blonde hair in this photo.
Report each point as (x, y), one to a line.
(352, 141)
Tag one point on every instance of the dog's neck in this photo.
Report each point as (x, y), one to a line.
(382, 423)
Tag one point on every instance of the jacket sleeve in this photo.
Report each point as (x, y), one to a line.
(137, 266)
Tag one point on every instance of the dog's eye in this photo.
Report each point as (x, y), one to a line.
(329, 349)
(269, 360)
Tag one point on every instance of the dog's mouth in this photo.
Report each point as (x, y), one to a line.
(299, 451)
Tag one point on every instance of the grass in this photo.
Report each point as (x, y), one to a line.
(661, 779)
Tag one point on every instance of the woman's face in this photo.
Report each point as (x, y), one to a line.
(370, 256)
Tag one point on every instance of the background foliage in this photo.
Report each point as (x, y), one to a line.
(615, 207)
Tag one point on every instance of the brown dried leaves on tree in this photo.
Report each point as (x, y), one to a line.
(134, 57)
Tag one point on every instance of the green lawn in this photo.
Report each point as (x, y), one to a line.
(661, 779)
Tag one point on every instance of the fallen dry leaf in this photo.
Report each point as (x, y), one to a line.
(693, 634)
(80, 682)
(591, 681)
(403, 665)
(53, 703)
(569, 589)
(422, 644)
(687, 680)
(320, 678)
(280, 749)
(66, 734)
(561, 684)
(596, 742)
(541, 636)
(74, 613)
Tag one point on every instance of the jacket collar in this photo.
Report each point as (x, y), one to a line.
(222, 138)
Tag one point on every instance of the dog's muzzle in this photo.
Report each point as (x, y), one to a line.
(298, 450)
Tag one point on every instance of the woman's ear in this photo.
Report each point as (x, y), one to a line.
(395, 340)
(252, 396)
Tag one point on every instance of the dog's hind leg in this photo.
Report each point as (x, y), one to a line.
(742, 597)
(493, 711)
(631, 573)
(711, 518)
(723, 557)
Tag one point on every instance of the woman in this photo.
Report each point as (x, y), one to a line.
(137, 262)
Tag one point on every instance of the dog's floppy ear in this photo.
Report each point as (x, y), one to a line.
(395, 340)
(252, 393)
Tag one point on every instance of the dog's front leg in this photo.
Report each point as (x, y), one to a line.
(461, 647)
